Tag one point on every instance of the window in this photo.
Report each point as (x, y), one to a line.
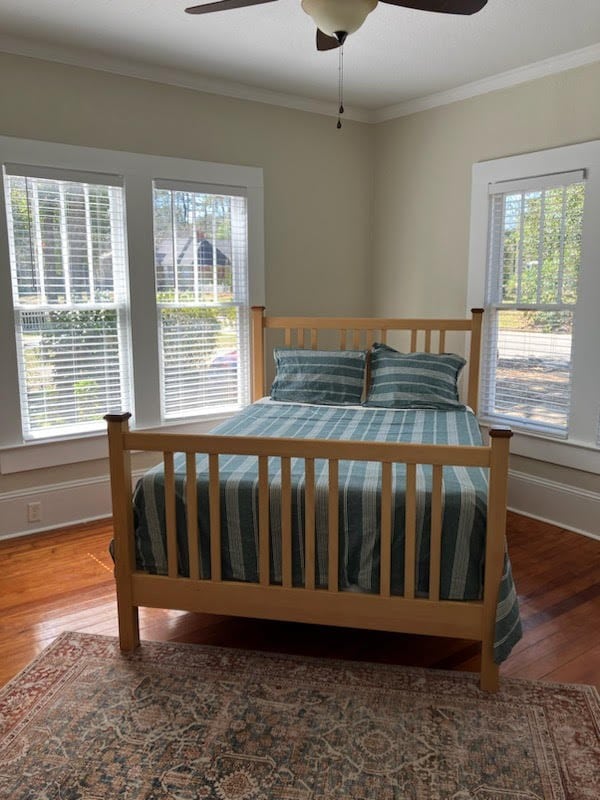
(202, 299)
(533, 265)
(533, 270)
(126, 283)
(68, 267)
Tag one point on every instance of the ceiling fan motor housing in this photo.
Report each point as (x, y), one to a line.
(337, 17)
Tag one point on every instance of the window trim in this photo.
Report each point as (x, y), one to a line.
(577, 451)
(138, 172)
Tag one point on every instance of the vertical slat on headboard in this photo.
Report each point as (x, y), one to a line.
(442, 344)
(258, 352)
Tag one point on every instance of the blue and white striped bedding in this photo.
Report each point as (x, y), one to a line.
(464, 503)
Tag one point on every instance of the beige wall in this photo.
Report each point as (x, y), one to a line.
(423, 180)
(318, 180)
(422, 193)
(369, 219)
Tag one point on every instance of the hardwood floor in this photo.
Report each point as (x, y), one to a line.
(63, 580)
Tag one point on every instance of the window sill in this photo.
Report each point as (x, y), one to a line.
(88, 447)
(565, 453)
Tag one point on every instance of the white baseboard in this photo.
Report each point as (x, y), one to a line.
(80, 501)
(568, 507)
(62, 504)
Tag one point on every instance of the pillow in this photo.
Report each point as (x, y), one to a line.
(413, 380)
(319, 376)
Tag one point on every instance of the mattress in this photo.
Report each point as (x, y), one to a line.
(464, 506)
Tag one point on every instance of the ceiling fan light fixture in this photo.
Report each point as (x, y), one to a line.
(337, 17)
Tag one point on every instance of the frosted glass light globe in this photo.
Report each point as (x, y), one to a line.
(332, 16)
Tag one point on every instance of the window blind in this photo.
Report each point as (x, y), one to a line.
(201, 266)
(534, 258)
(68, 267)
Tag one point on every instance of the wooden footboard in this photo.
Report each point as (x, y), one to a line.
(383, 611)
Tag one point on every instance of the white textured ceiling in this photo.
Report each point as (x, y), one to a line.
(397, 55)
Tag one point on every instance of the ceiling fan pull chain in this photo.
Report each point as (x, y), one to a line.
(340, 85)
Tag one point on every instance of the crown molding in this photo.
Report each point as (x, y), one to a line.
(196, 82)
(503, 80)
(174, 77)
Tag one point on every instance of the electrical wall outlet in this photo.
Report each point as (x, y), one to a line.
(34, 512)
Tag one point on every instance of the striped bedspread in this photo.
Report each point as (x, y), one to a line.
(464, 506)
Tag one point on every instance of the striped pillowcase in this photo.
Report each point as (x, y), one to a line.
(413, 380)
(321, 377)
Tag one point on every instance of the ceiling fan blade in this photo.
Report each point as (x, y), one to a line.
(325, 42)
(224, 5)
(442, 6)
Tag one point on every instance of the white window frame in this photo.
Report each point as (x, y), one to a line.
(138, 173)
(580, 450)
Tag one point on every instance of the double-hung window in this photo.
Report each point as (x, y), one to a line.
(125, 284)
(69, 286)
(201, 265)
(532, 286)
(533, 265)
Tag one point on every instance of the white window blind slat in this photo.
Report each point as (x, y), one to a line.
(537, 183)
(201, 264)
(63, 175)
(193, 187)
(68, 266)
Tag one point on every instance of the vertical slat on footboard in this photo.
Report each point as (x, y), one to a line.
(309, 523)
(386, 529)
(170, 515)
(191, 503)
(334, 527)
(214, 505)
(435, 542)
(286, 523)
(410, 530)
(263, 520)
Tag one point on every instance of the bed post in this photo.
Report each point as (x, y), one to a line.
(494, 551)
(258, 352)
(475, 358)
(120, 480)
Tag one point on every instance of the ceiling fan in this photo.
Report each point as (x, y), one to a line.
(336, 19)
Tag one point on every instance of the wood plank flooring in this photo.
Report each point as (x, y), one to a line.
(63, 580)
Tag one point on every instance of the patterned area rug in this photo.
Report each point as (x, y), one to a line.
(186, 722)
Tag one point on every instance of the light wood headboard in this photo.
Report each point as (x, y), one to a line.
(359, 333)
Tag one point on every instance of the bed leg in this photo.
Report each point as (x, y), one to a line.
(490, 671)
(129, 627)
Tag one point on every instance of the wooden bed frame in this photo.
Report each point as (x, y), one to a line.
(409, 614)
